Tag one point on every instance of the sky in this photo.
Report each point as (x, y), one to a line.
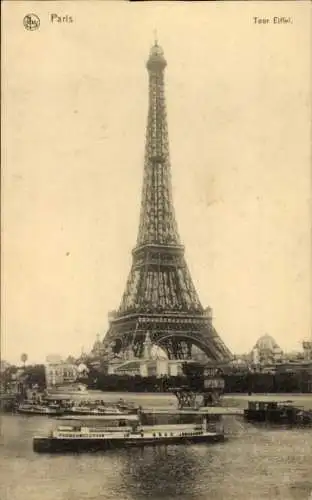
(74, 114)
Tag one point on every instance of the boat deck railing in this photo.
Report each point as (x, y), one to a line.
(117, 417)
(208, 410)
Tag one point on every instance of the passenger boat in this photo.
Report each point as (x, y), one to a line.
(86, 437)
(69, 389)
(102, 420)
(127, 406)
(38, 409)
(115, 410)
(52, 408)
(99, 410)
(277, 412)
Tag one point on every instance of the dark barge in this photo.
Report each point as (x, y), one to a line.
(277, 412)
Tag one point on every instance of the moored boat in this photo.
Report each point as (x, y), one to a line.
(277, 412)
(85, 437)
(89, 410)
(68, 389)
(38, 409)
(53, 407)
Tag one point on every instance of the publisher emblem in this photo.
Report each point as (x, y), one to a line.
(31, 22)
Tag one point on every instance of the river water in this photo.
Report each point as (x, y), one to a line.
(254, 464)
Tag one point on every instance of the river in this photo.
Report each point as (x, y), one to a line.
(254, 464)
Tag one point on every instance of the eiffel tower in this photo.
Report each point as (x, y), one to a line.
(160, 301)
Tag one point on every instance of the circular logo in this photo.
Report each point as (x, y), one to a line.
(31, 22)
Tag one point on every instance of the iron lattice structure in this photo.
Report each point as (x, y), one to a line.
(160, 298)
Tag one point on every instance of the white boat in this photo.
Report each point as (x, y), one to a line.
(89, 410)
(73, 389)
(86, 437)
(37, 409)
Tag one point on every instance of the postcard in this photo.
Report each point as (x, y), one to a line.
(156, 250)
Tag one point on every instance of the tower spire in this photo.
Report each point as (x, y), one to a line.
(157, 219)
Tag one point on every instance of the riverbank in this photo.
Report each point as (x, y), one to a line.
(167, 399)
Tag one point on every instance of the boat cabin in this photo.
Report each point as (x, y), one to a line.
(101, 420)
(268, 405)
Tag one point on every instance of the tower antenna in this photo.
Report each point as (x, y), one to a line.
(155, 37)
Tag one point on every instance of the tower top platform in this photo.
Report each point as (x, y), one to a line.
(156, 60)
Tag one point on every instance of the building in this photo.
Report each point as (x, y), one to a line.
(97, 351)
(15, 382)
(4, 365)
(307, 350)
(153, 363)
(147, 368)
(266, 352)
(59, 372)
(242, 362)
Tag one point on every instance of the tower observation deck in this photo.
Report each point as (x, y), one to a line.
(160, 298)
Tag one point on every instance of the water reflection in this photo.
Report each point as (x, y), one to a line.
(161, 472)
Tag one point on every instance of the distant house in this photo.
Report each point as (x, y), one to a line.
(4, 365)
(307, 350)
(59, 372)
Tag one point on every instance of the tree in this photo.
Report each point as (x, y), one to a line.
(35, 376)
(24, 358)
